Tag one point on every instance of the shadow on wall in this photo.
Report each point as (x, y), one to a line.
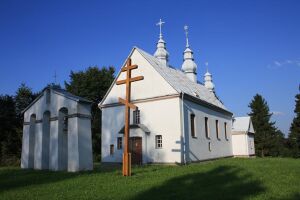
(220, 183)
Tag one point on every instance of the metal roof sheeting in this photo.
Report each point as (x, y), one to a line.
(181, 83)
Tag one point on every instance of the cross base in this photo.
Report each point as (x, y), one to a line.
(126, 164)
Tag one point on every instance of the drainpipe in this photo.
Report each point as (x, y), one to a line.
(182, 122)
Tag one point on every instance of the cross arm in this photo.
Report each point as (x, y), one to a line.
(138, 78)
(123, 101)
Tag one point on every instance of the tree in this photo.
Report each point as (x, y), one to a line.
(92, 84)
(24, 96)
(294, 134)
(7, 127)
(269, 140)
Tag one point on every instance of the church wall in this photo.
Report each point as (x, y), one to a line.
(53, 106)
(197, 148)
(251, 147)
(38, 146)
(25, 147)
(85, 144)
(160, 117)
(240, 145)
(73, 145)
(53, 161)
(153, 84)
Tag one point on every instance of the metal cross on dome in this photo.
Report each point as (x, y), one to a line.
(186, 28)
(160, 23)
(128, 105)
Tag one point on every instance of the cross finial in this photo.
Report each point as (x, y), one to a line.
(206, 64)
(186, 35)
(160, 23)
(55, 77)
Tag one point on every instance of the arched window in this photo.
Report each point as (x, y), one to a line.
(46, 140)
(63, 130)
(31, 141)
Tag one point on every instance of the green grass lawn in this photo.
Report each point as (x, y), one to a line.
(268, 178)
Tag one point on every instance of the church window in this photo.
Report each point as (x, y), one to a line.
(158, 141)
(209, 146)
(111, 152)
(193, 133)
(217, 128)
(119, 146)
(225, 130)
(136, 116)
(206, 127)
(65, 124)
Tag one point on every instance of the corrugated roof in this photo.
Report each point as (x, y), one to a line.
(181, 83)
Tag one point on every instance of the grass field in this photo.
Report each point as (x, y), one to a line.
(268, 178)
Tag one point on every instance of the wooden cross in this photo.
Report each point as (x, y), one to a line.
(128, 105)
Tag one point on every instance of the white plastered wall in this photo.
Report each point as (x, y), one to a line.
(153, 84)
(240, 144)
(57, 102)
(161, 118)
(197, 148)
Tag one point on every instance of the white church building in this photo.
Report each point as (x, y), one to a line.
(179, 119)
(57, 132)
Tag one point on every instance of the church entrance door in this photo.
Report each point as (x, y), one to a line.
(135, 148)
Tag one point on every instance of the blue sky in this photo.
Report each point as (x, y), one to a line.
(251, 46)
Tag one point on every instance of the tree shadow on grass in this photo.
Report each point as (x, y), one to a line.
(223, 182)
(12, 178)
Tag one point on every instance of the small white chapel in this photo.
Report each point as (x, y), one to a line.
(57, 132)
(179, 119)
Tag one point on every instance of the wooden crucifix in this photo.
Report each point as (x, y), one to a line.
(128, 105)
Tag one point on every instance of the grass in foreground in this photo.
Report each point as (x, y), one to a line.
(268, 178)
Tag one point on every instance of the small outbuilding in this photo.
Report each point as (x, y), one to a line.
(243, 137)
(57, 132)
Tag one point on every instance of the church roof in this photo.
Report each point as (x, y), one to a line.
(242, 124)
(69, 95)
(61, 92)
(181, 83)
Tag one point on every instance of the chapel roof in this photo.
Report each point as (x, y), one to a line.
(242, 124)
(61, 92)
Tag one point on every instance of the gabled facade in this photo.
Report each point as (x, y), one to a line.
(57, 132)
(243, 137)
(166, 99)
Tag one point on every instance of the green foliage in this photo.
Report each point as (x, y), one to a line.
(232, 179)
(11, 123)
(92, 84)
(294, 135)
(269, 141)
(8, 121)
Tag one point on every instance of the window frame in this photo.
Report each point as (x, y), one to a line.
(206, 127)
(158, 142)
(120, 143)
(225, 130)
(136, 116)
(217, 129)
(193, 125)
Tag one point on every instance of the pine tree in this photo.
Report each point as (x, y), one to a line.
(268, 139)
(7, 128)
(24, 96)
(294, 135)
